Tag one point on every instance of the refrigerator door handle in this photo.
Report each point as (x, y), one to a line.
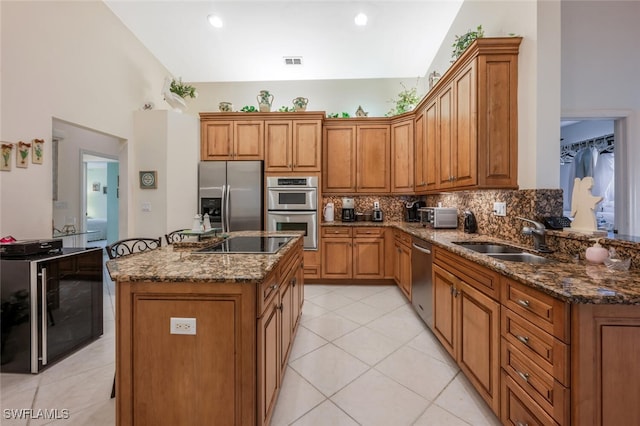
(44, 316)
(223, 209)
(228, 207)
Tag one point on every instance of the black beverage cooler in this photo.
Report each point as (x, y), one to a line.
(51, 306)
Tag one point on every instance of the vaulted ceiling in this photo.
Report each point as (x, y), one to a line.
(399, 41)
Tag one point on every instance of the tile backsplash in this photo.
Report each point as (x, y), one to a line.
(528, 203)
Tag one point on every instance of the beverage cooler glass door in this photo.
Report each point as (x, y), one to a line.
(296, 221)
(72, 313)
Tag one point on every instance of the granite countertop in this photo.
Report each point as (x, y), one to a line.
(566, 279)
(170, 264)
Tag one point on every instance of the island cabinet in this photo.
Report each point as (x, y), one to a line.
(470, 118)
(402, 261)
(402, 156)
(352, 253)
(280, 307)
(356, 156)
(535, 356)
(293, 145)
(228, 369)
(466, 320)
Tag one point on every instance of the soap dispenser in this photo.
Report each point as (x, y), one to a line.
(596, 253)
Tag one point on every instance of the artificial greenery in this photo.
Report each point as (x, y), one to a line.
(406, 100)
(336, 115)
(249, 108)
(181, 89)
(461, 43)
(286, 109)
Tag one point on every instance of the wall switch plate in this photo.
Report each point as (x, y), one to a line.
(183, 326)
(500, 209)
(146, 206)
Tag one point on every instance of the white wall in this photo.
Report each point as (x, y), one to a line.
(74, 61)
(167, 142)
(600, 69)
(332, 96)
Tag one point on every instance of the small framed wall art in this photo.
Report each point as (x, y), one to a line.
(148, 179)
(37, 151)
(5, 161)
(22, 154)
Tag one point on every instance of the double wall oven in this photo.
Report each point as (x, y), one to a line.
(292, 205)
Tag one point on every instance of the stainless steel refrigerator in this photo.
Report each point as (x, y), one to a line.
(231, 193)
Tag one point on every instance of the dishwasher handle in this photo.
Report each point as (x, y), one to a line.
(422, 249)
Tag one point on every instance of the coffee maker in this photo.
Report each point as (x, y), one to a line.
(348, 210)
(377, 213)
(411, 210)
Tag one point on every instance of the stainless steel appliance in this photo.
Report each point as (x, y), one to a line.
(377, 213)
(51, 306)
(231, 193)
(348, 210)
(247, 244)
(439, 217)
(292, 205)
(421, 281)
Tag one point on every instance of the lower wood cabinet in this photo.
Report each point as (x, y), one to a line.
(402, 262)
(352, 253)
(467, 323)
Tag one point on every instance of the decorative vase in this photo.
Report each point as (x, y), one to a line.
(265, 99)
(300, 104)
(225, 106)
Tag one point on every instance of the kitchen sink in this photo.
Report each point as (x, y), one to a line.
(503, 252)
(487, 248)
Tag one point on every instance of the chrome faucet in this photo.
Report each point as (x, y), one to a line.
(538, 234)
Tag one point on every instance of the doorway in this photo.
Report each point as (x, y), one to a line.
(588, 148)
(100, 197)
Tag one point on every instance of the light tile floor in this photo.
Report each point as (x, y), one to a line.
(361, 356)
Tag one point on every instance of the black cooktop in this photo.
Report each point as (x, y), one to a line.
(247, 244)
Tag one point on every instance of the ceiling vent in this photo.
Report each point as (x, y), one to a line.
(293, 60)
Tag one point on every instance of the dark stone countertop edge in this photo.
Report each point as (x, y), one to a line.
(567, 280)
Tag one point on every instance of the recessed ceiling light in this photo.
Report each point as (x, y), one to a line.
(215, 21)
(360, 19)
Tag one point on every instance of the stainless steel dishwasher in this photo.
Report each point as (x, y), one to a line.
(421, 290)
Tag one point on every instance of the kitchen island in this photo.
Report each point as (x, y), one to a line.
(204, 338)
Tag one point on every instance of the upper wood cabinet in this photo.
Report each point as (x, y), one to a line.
(232, 140)
(402, 156)
(466, 127)
(287, 141)
(293, 145)
(356, 156)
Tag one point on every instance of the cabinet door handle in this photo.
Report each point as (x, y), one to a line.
(293, 281)
(523, 339)
(519, 423)
(524, 376)
(279, 307)
(523, 302)
(274, 286)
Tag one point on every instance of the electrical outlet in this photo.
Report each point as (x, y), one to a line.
(500, 209)
(146, 206)
(183, 326)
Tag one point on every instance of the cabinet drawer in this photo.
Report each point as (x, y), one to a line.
(335, 231)
(479, 277)
(267, 290)
(402, 237)
(368, 232)
(548, 313)
(518, 408)
(542, 348)
(537, 383)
